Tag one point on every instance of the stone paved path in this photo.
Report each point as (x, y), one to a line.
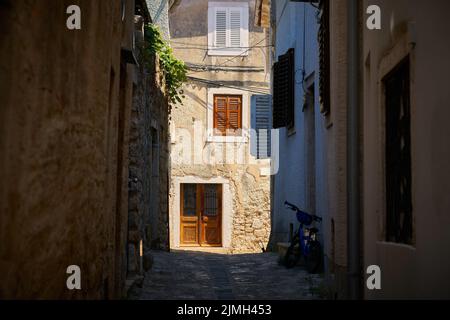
(199, 275)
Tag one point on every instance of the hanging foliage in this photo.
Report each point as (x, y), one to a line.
(174, 69)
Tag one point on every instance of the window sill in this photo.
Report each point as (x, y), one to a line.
(227, 139)
(228, 52)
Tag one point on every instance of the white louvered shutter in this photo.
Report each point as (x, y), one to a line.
(235, 16)
(221, 28)
(228, 29)
(261, 125)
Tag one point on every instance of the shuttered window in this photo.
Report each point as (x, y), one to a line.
(284, 91)
(399, 210)
(228, 30)
(228, 25)
(260, 139)
(227, 115)
(324, 56)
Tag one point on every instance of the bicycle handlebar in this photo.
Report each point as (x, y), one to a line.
(293, 207)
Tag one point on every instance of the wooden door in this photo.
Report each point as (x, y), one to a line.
(189, 216)
(201, 215)
(211, 215)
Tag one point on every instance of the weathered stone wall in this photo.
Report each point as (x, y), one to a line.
(250, 205)
(63, 147)
(149, 117)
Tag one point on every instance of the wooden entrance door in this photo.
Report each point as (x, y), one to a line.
(201, 215)
(211, 214)
(189, 216)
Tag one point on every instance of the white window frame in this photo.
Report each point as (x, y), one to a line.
(243, 138)
(212, 8)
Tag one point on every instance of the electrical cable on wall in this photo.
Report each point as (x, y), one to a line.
(235, 57)
(207, 47)
(258, 90)
(205, 67)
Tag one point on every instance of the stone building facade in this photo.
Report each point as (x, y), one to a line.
(206, 166)
(65, 125)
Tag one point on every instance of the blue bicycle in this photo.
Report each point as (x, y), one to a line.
(308, 245)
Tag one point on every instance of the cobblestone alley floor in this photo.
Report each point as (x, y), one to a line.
(198, 275)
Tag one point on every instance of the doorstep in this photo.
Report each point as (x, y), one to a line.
(217, 250)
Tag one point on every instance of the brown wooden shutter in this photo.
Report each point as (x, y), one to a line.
(227, 114)
(324, 56)
(234, 113)
(284, 91)
(220, 115)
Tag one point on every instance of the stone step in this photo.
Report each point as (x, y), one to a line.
(216, 250)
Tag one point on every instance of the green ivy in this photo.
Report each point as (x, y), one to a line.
(174, 70)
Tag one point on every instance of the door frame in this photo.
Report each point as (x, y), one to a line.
(175, 201)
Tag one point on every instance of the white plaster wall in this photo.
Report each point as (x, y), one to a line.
(291, 181)
(421, 29)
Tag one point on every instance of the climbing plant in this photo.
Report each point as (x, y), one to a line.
(174, 69)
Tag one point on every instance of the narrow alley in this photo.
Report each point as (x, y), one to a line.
(224, 150)
(188, 275)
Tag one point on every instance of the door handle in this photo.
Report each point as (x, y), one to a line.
(205, 219)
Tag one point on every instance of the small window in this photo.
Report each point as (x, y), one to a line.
(189, 200)
(227, 115)
(228, 28)
(399, 221)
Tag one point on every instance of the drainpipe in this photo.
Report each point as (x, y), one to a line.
(353, 194)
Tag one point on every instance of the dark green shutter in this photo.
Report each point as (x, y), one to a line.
(283, 90)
